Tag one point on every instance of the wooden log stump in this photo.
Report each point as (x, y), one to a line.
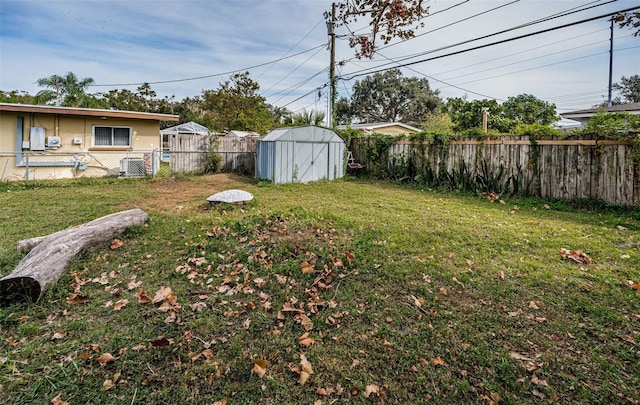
(50, 255)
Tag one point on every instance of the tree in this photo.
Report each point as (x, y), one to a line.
(528, 109)
(468, 114)
(629, 88)
(306, 118)
(16, 97)
(344, 112)
(629, 19)
(390, 97)
(388, 19)
(67, 90)
(237, 105)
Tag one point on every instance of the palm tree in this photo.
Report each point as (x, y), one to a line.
(67, 90)
(307, 118)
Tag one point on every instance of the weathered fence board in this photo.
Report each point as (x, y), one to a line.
(551, 167)
(188, 153)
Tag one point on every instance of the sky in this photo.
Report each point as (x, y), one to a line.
(183, 47)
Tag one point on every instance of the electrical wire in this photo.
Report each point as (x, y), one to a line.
(211, 75)
(291, 72)
(548, 18)
(358, 74)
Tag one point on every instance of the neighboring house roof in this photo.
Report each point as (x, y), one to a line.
(566, 123)
(631, 108)
(241, 134)
(93, 112)
(378, 127)
(186, 128)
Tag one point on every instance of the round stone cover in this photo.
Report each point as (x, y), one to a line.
(230, 196)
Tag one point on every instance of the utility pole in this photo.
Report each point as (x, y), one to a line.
(609, 101)
(331, 27)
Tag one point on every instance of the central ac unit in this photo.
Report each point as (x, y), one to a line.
(132, 167)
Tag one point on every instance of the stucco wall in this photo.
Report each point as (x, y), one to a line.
(72, 160)
(145, 133)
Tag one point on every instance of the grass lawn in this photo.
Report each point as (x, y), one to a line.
(354, 291)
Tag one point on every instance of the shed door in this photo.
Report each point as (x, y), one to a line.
(311, 162)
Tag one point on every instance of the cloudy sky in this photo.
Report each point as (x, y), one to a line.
(183, 47)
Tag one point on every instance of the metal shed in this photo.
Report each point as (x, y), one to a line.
(300, 154)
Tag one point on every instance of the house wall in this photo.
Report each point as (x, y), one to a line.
(63, 161)
(145, 132)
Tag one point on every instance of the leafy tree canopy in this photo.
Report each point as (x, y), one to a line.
(529, 109)
(389, 97)
(629, 88)
(388, 19)
(629, 19)
(522, 109)
(237, 105)
(68, 90)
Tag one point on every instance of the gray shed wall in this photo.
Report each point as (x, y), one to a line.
(287, 160)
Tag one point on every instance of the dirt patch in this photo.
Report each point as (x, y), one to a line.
(175, 194)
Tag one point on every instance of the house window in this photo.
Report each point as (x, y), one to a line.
(111, 136)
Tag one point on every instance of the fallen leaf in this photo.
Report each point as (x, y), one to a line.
(537, 381)
(106, 358)
(161, 294)
(305, 369)
(260, 367)
(635, 285)
(518, 356)
(77, 298)
(120, 304)
(533, 305)
(306, 322)
(143, 298)
(371, 389)
(577, 256)
(305, 340)
(59, 335)
(438, 361)
(306, 268)
(107, 385)
(58, 401)
(443, 291)
(116, 244)
(160, 342)
(501, 275)
(223, 401)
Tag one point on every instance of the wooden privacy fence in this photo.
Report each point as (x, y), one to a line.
(192, 153)
(552, 167)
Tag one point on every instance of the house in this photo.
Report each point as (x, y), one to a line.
(46, 142)
(300, 154)
(384, 128)
(583, 115)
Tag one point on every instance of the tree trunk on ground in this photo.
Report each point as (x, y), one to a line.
(51, 254)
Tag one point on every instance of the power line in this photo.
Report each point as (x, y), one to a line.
(553, 16)
(352, 76)
(291, 72)
(211, 75)
(548, 64)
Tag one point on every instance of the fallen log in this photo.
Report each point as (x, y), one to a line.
(50, 255)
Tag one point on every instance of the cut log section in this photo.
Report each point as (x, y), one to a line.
(50, 255)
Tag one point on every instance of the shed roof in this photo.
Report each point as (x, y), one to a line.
(308, 133)
(631, 108)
